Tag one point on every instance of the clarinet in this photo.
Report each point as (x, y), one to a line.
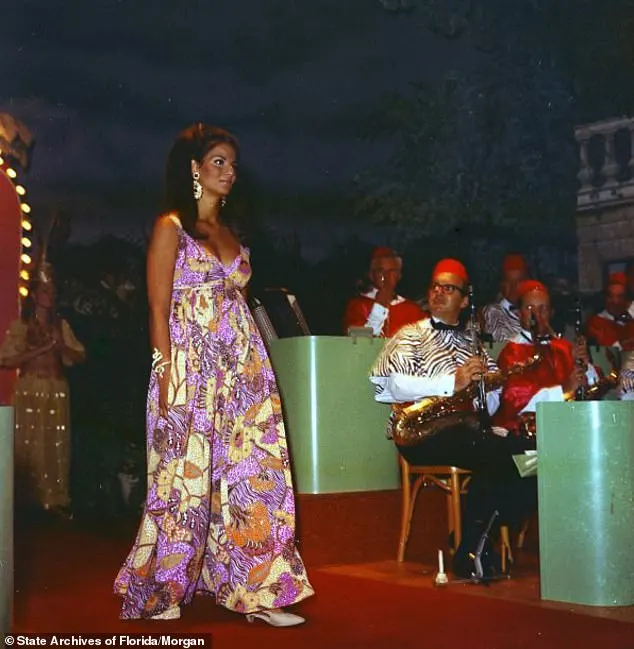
(533, 326)
(476, 348)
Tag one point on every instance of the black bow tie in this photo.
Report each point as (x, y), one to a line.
(442, 326)
(537, 340)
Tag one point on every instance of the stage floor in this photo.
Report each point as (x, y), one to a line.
(522, 586)
(45, 545)
(64, 573)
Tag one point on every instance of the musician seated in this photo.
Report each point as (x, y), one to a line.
(500, 319)
(614, 326)
(381, 308)
(626, 383)
(435, 357)
(561, 370)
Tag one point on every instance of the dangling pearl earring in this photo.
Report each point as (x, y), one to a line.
(223, 201)
(198, 188)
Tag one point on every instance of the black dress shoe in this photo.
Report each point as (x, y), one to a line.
(468, 565)
(475, 557)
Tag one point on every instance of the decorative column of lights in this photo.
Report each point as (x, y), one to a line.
(27, 227)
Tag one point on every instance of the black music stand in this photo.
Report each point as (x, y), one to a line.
(284, 312)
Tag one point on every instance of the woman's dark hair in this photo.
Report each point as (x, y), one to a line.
(192, 144)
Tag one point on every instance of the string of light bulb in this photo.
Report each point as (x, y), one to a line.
(27, 227)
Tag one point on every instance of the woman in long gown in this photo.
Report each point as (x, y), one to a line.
(220, 514)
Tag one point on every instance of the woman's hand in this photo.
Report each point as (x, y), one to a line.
(164, 384)
(49, 346)
(55, 345)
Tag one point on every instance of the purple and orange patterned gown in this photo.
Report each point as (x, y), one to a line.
(220, 512)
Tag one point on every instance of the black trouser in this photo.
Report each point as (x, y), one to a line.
(495, 483)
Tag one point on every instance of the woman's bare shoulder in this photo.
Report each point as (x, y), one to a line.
(167, 230)
(168, 220)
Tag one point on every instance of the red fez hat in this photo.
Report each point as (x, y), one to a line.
(529, 285)
(617, 278)
(452, 266)
(383, 251)
(514, 262)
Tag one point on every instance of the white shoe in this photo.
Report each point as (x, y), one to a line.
(170, 614)
(276, 619)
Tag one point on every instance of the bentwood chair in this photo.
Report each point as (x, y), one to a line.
(506, 550)
(452, 480)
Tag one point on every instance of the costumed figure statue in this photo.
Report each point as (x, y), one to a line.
(40, 345)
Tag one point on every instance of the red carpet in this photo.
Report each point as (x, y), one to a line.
(64, 576)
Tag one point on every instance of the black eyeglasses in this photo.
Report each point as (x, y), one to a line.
(445, 289)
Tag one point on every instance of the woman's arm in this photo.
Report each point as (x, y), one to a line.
(72, 350)
(161, 260)
(18, 360)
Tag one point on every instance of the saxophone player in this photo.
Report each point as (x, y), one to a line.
(435, 358)
(562, 370)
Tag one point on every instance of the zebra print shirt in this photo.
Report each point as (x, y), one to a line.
(626, 379)
(419, 350)
(500, 321)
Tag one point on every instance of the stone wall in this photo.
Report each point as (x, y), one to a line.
(605, 235)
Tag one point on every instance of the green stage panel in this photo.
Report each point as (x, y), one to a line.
(336, 431)
(586, 502)
(6, 519)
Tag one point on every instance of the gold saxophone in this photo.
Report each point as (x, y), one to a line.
(596, 392)
(599, 389)
(416, 422)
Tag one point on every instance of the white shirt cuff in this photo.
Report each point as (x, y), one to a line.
(401, 388)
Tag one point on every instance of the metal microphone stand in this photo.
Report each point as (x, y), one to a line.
(478, 576)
